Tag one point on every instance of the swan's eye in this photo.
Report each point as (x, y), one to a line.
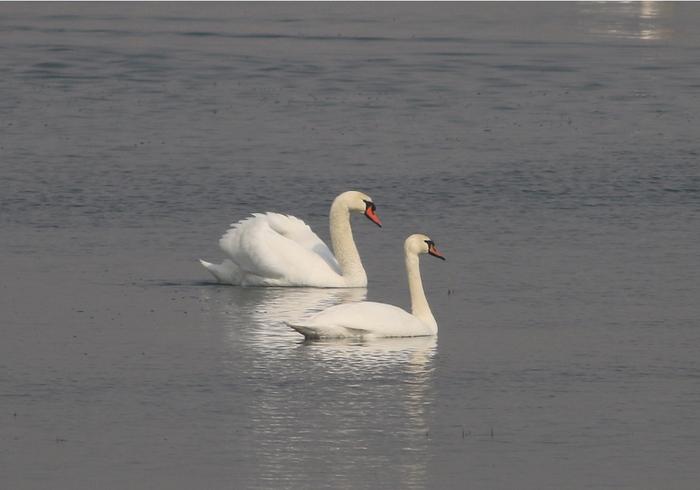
(430, 243)
(369, 205)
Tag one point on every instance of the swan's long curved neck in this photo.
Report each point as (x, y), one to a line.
(419, 303)
(343, 243)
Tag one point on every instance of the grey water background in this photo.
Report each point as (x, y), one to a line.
(550, 150)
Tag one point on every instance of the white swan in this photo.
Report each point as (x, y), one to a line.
(276, 250)
(368, 319)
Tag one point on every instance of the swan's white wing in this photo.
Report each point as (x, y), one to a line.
(296, 230)
(277, 249)
(364, 319)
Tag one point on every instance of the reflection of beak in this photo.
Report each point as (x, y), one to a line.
(372, 215)
(432, 250)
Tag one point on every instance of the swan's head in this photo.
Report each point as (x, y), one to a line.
(422, 244)
(360, 202)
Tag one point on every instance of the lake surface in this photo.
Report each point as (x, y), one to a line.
(550, 150)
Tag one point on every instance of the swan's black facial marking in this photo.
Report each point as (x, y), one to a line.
(371, 212)
(432, 250)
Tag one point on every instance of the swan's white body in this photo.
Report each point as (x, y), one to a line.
(277, 250)
(368, 319)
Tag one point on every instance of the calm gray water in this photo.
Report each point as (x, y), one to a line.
(551, 151)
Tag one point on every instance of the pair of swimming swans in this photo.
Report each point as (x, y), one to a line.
(276, 250)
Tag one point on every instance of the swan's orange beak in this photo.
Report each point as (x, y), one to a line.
(371, 213)
(432, 250)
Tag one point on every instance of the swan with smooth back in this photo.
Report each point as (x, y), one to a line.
(374, 320)
(273, 249)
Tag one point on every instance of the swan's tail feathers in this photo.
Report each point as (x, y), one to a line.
(226, 272)
(306, 331)
(329, 331)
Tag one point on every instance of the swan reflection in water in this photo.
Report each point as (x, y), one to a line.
(329, 403)
(414, 352)
(256, 316)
